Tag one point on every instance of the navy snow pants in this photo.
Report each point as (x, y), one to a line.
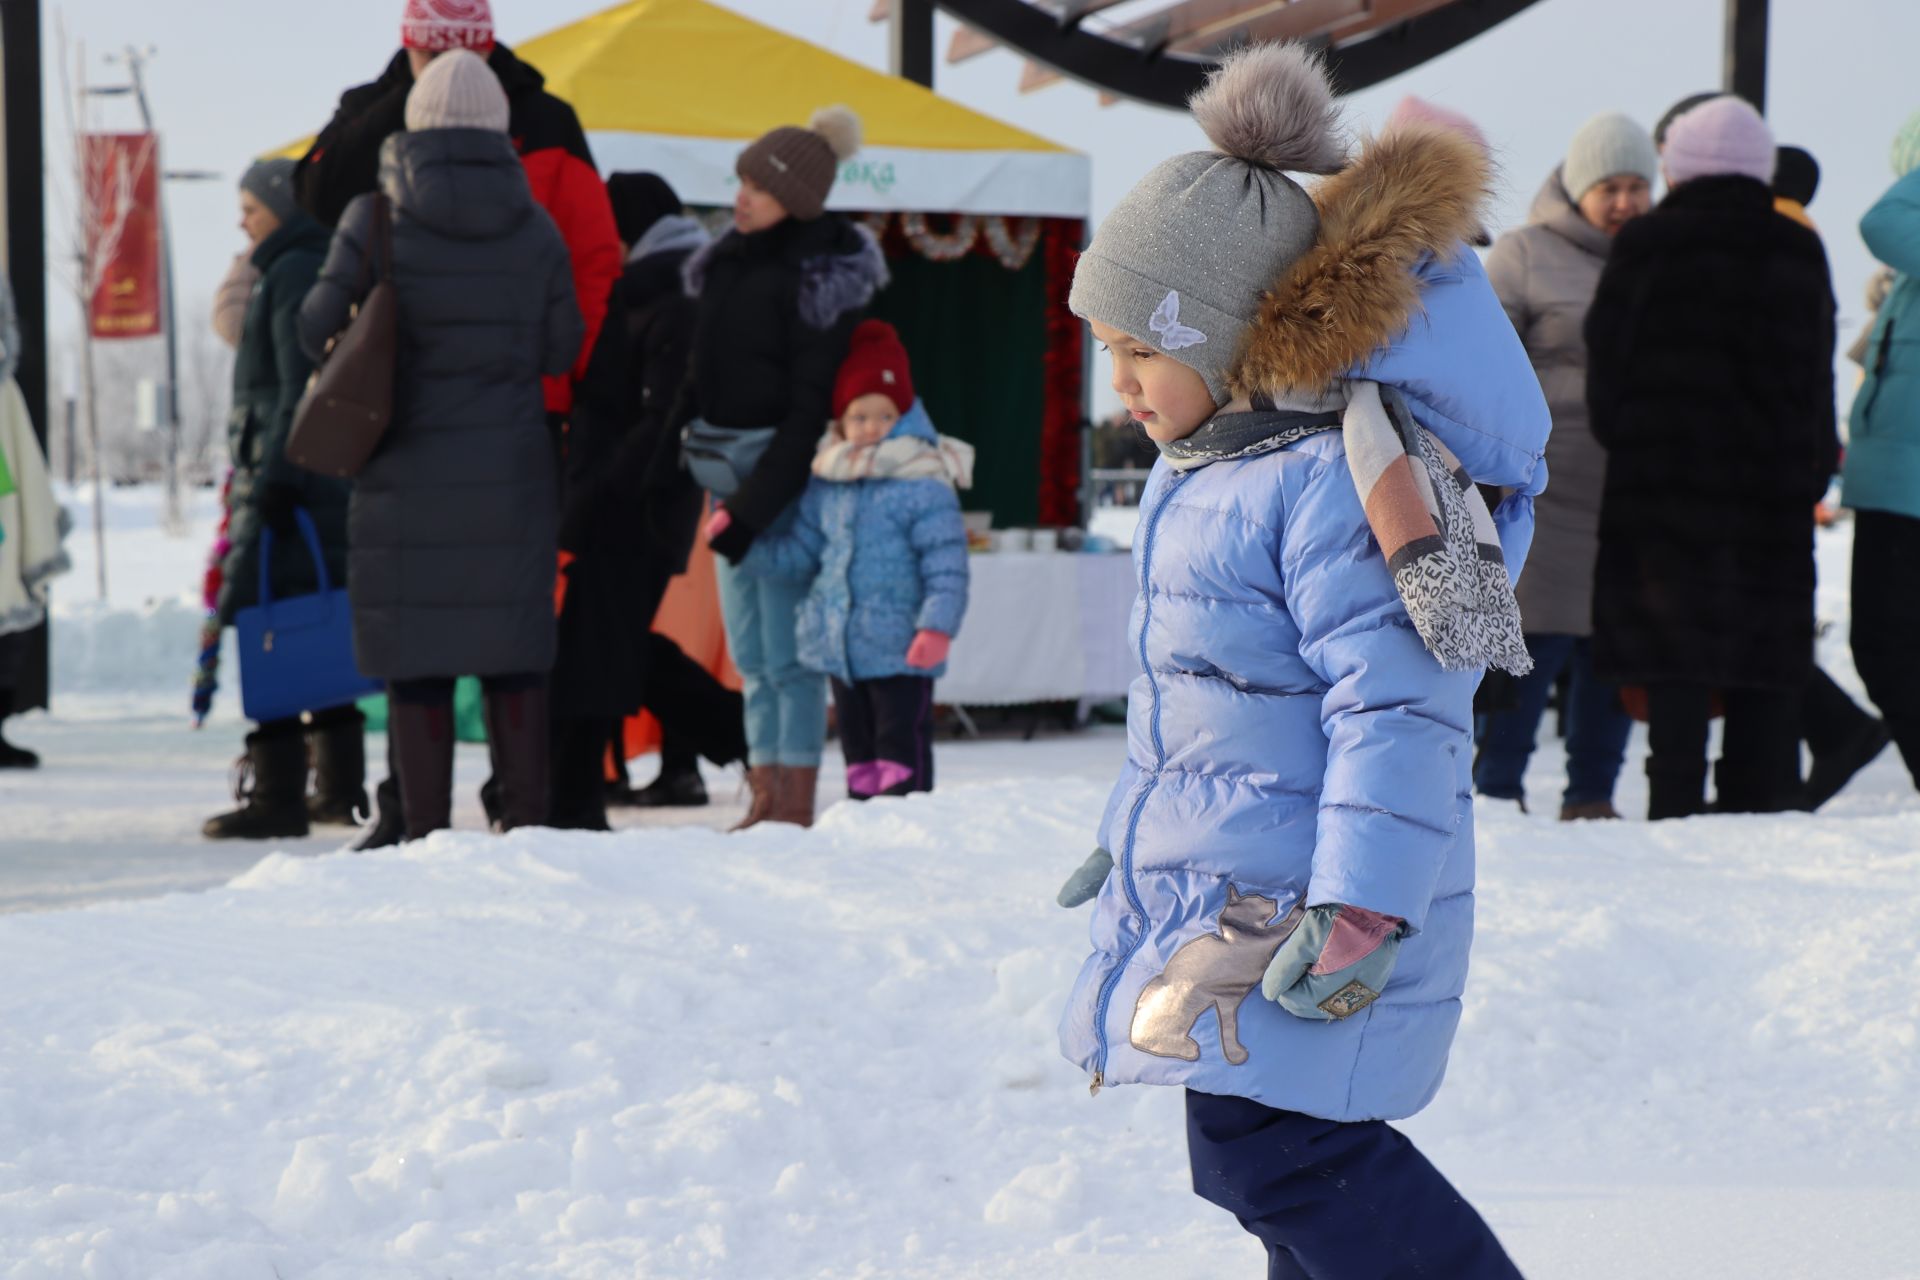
(1335, 1201)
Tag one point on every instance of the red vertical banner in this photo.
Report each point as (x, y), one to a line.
(122, 172)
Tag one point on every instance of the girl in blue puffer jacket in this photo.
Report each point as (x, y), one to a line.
(1282, 925)
(879, 532)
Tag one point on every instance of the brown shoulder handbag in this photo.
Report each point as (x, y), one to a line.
(349, 399)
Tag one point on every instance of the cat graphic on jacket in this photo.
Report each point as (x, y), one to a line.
(1213, 971)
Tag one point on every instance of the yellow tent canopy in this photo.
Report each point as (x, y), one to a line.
(679, 86)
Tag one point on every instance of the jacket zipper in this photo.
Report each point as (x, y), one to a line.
(1140, 803)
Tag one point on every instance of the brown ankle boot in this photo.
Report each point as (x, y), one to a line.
(764, 782)
(795, 801)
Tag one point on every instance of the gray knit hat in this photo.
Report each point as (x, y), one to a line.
(271, 183)
(797, 166)
(458, 90)
(1607, 146)
(1182, 260)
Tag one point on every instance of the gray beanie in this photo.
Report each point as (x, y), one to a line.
(458, 90)
(1607, 146)
(271, 183)
(1183, 259)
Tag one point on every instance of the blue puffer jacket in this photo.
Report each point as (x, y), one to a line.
(888, 557)
(1290, 740)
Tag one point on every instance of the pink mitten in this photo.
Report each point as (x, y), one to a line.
(717, 522)
(928, 650)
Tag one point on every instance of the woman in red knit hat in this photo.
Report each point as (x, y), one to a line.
(879, 532)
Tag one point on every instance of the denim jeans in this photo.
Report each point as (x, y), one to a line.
(1597, 728)
(786, 703)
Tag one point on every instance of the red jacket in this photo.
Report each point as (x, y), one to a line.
(344, 162)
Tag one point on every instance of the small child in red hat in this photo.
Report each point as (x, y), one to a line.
(879, 533)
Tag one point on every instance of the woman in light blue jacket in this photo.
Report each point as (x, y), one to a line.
(1283, 923)
(1881, 478)
(879, 535)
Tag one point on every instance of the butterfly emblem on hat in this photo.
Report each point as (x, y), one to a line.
(1174, 336)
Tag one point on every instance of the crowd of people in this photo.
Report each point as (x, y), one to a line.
(588, 386)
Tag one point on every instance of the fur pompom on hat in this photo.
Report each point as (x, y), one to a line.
(798, 166)
(876, 364)
(457, 91)
(1182, 260)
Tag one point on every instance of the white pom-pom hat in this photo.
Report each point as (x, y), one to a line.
(1182, 260)
(797, 166)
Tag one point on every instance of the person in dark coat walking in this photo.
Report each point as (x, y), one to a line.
(630, 513)
(270, 371)
(779, 296)
(453, 519)
(1710, 386)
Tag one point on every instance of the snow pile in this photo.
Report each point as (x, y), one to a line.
(678, 1054)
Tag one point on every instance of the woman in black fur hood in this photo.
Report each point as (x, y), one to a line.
(778, 296)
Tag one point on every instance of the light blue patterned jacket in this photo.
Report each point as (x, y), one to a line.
(1290, 740)
(888, 557)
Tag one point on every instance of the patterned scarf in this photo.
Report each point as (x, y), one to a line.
(896, 458)
(1430, 521)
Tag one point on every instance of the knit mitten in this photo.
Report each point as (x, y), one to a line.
(928, 650)
(1084, 883)
(1335, 963)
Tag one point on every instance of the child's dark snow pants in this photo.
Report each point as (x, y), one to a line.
(886, 734)
(1335, 1201)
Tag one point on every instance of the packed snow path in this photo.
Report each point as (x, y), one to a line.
(1689, 1050)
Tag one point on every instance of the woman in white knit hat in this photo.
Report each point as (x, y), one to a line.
(1545, 274)
(453, 523)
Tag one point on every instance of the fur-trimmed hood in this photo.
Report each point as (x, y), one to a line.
(1413, 195)
(840, 264)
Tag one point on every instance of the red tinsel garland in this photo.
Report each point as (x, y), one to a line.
(1063, 379)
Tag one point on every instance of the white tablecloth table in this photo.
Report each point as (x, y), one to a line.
(1043, 627)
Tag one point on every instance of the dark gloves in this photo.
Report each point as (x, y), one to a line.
(276, 505)
(733, 538)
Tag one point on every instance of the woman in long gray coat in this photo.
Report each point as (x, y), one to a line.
(453, 524)
(1546, 273)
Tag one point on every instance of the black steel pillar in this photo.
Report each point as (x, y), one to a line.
(911, 43)
(1746, 52)
(26, 250)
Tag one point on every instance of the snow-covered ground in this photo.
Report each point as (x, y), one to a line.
(1690, 1049)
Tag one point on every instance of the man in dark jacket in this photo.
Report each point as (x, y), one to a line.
(630, 515)
(269, 373)
(1710, 385)
(344, 160)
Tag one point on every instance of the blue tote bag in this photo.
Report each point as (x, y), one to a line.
(297, 654)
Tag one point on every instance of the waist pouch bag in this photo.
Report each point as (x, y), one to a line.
(721, 458)
(297, 654)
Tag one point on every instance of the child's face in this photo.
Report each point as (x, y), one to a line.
(868, 419)
(1166, 397)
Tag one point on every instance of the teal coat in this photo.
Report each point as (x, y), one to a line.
(1882, 470)
(270, 372)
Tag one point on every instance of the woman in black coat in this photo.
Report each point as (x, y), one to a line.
(630, 515)
(453, 520)
(779, 296)
(1710, 383)
(269, 372)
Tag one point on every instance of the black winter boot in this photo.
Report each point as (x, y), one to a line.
(675, 789)
(1676, 790)
(577, 784)
(389, 817)
(12, 757)
(422, 734)
(339, 750)
(1832, 770)
(270, 781)
(517, 741)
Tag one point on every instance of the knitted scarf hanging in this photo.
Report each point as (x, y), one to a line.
(1431, 523)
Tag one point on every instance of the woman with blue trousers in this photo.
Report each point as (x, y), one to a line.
(778, 297)
(1545, 274)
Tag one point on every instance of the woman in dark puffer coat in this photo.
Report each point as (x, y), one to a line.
(453, 521)
(779, 296)
(269, 373)
(1710, 385)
